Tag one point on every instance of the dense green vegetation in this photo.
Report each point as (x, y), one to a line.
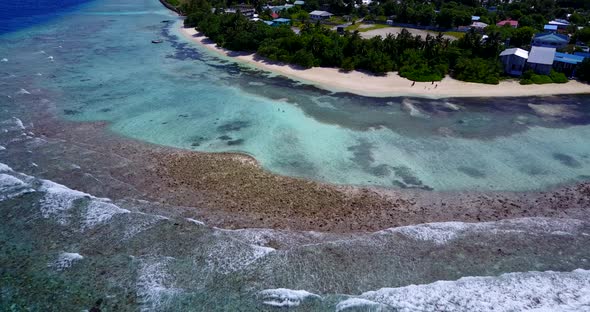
(417, 58)
(529, 77)
(470, 58)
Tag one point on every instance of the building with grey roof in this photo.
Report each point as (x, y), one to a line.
(541, 60)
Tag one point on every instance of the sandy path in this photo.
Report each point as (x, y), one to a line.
(383, 32)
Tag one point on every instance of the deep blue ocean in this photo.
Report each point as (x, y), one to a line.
(19, 14)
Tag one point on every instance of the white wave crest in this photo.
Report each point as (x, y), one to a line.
(66, 260)
(283, 297)
(154, 288)
(230, 256)
(99, 212)
(58, 199)
(4, 60)
(530, 291)
(11, 186)
(195, 221)
(356, 304)
(5, 168)
(444, 232)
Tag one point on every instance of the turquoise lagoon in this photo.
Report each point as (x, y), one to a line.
(98, 63)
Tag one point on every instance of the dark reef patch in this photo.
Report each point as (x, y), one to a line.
(533, 170)
(233, 126)
(225, 137)
(472, 172)
(567, 160)
(235, 142)
(407, 175)
(71, 112)
(197, 140)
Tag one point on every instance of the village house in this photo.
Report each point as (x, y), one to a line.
(514, 61)
(567, 63)
(320, 15)
(541, 60)
(550, 28)
(550, 40)
(244, 9)
(509, 22)
(560, 23)
(281, 21)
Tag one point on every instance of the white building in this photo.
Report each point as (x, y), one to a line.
(320, 15)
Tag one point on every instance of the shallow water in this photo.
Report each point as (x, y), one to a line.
(98, 63)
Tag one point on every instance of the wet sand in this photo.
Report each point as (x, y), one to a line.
(232, 191)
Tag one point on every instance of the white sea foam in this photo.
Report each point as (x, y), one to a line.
(444, 232)
(412, 110)
(2, 148)
(439, 233)
(227, 256)
(11, 186)
(4, 60)
(12, 124)
(195, 221)
(58, 199)
(99, 212)
(530, 291)
(23, 91)
(154, 287)
(65, 260)
(356, 304)
(141, 222)
(50, 58)
(283, 297)
(5, 168)
(452, 106)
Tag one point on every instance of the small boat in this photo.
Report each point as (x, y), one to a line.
(157, 41)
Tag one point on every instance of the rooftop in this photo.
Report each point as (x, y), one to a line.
(479, 25)
(512, 23)
(552, 37)
(321, 13)
(550, 27)
(516, 51)
(542, 55)
(559, 22)
(568, 58)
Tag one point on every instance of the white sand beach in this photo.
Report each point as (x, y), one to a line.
(390, 85)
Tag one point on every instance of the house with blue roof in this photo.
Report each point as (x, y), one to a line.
(281, 21)
(550, 40)
(566, 63)
(550, 28)
(583, 54)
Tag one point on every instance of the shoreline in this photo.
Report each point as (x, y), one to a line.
(391, 85)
